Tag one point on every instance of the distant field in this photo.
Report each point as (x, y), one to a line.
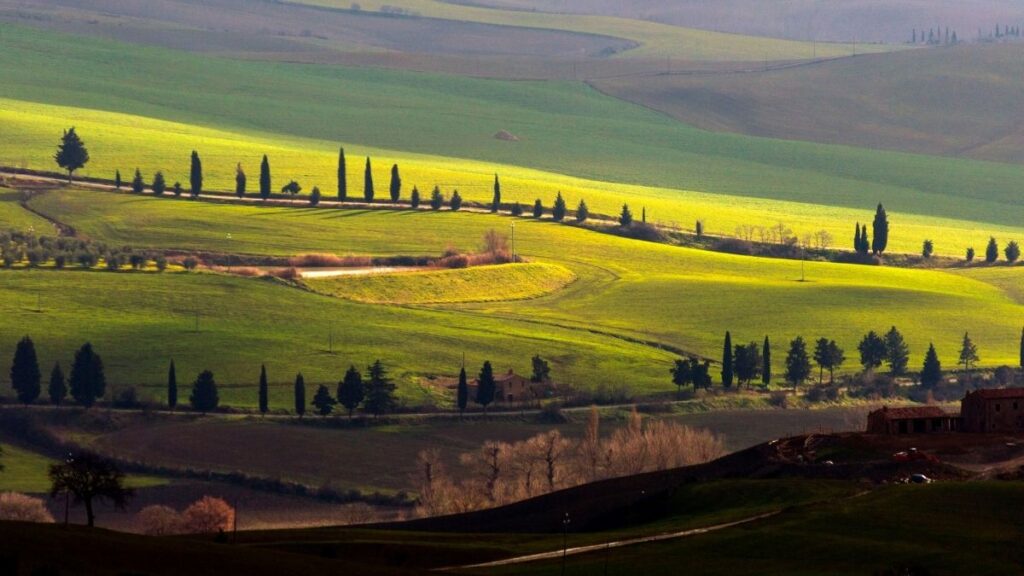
(953, 101)
(478, 284)
(14, 217)
(564, 128)
(654, 39)
(626, 293)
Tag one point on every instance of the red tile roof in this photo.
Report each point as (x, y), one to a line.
(913, 412)
(998, 393)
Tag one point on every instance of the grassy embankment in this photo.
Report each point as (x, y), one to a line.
(627, 153)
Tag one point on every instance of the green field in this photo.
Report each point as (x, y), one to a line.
(959, 101)
(14, 217)
(478, 284)
(630, 300)
(654, 39)
(627, 153)
(28, 472)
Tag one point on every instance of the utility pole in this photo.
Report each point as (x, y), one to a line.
(565, 541)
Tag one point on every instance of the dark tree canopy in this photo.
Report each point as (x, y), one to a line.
(496, 200)
(159, 184)
(350, 390)
(58, 389)
(26, 378)
(897, 353)
(798, 365)
(264, 391)
(323, 401)
(746, 362)
(292, 187)
(541, 369)
(582, 212)
(626, 217)
(380, 391)
(204, 397)
(559, 209)
(88, 478)
(462, 393)
(300, 395)
(727, 370)
(1012, 251)
(138, 185)
(682, 374)
(239, 181)
(872, 351)
(486, 386)
(88, 381)
(395, 188)
(992, 251)
(456, 202)
(414, 197)
(516, 209)
(766, 360)
(314, 196)
(195, 176)
(880, 230)
(342, 176)
(368, 182)
(931, 372)
(71, 152)
(436, 199)
(265, 178)
(172, 386)
(538, 208)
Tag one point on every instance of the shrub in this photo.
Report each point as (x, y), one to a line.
(159, 521)
(317, 260)
(21, 508)
(779, 399)
(127, 398)
(207, 516)
(161, 263)
(190, 263)
(287, 273)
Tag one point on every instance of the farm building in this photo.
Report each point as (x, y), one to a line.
(510, 388)
(998, 410)
(912, 420)
(993, 410)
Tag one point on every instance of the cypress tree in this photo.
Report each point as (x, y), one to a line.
(486, 387)
(350, 390)
(968, 352)
(195, 175)
(897, 353)
(462, 395)
(865, 242)
(856, 237)
(239, 181)
(582, 212)
(496, 201)
(300, 395)
(436, 198)
(323, 401)
(766, 355)
(342, 176)
(58, 389)
(992, 250)
(71, 152)
(368, 181)
(117, 180)
(380, 392)
(264, 392)
(880, 230)
(396, 184)
(558, 211)
(626, 217)
(931, 372)
(1012, 251)
(159, 184)
(88, 381)
(172, 386)
(204, 397)
(456, 202)
(414, 198)
(798, 365)
(538, 208)
(25, 374)
(1022, 349)
(727, 372)
(137, 184)
(265, 178)
(516, 209)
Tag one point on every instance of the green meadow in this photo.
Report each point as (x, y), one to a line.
(630, 303)
(127, 106)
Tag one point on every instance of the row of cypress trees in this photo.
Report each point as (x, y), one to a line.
(86, 383)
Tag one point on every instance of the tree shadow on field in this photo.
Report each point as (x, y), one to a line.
(343, 213)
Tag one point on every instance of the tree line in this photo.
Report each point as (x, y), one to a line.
(743, 364)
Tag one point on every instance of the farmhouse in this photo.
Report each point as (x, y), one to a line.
(913, 420)
(993, 410)
(510, 388)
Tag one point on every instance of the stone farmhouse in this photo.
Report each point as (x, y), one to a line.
(998, 411)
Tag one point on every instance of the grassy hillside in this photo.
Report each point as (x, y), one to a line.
(564, 127)
(654, 39)
(626, 291)
(856, 536)
(478, 284)
(14, 217)
(954, 101)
